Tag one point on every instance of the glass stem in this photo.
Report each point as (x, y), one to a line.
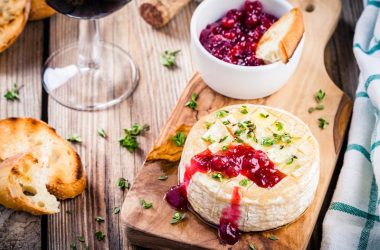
(89, 41)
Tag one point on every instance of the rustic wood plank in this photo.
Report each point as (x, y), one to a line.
(21, 64)
(311, 75)
(105, 160)
(342, 68)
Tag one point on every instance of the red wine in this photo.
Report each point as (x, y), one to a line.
(87, 9)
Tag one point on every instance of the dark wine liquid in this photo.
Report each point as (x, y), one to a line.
(87, 9)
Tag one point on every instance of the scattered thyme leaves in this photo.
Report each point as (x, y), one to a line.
(168, 58)
(252, 246)
(319, 96)
(100, 236)
(244, 182)
(116, 210)
(272, 237)
(322, 123)
(123, 183)
(179, 139)
(99, 219)
(193, 101)
(217, 176)
(13, 93)
(74, 138)
(163, 178)
(177, 217)
(244, 110)
(222, 113)
(102, 133)
(146, 204)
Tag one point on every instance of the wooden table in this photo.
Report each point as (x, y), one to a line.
(152, 102)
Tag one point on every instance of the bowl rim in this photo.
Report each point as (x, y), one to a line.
(197, 43)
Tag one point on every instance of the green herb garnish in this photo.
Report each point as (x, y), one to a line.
(137, 129)
(80, 238)
(252, 247)
(193, 101)
(99, 219)
(272, 237)
(102, 133)
(116, 210)
(13, 93)
(244, 182)
(267, 141)
(123, 183)
(168, 58)
(217, 176)
(208, 124)
(208, 139)
(179, 139)
(223, 139)
(224, 148)
(146, 204)
(279, 126)
(73, 246)
(74, 138)
(323, 123)
(291, 160)
(226, 122)
(244, 110)
(163, 177)
(262, 115)
(100, 236)
(319, 96)
(129, 141)
(222, 113)
(177, 217)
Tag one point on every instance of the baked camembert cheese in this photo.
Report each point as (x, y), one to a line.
(247, 168)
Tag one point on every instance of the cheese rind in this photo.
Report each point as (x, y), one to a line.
(295, 152)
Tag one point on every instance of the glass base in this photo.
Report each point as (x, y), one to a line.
(91, 86)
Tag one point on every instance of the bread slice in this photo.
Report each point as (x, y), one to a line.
(281, 40)
(40, 10)
(23, 185)
(12, 27)
(66, 174)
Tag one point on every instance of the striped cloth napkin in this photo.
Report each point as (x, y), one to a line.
(353, 221)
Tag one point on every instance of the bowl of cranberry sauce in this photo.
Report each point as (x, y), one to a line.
(224, 38)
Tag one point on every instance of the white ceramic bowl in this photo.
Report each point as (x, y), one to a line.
(241, 82)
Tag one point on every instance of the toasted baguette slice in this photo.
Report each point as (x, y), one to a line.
(40, 10)
(23, 185)
(66, 174)
(10, 31)
(281, 40)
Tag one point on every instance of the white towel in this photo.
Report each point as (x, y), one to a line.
(353, 221)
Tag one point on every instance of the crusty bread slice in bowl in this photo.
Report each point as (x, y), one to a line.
(281, 40)
(23, 181)
(66, 173)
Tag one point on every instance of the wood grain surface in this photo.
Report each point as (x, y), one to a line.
(152, 103)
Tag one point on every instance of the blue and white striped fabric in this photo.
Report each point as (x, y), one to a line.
(353, 221)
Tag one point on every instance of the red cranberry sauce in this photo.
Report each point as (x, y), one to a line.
(234, 37)
(240, 159)
(228, 230)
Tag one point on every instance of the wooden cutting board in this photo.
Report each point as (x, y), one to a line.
(151, 227)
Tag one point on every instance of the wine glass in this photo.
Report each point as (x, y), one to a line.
(90, 74)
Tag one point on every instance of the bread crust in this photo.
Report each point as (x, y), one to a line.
(67, 177)
(11, 193)
(288, 44)
(11, 31)
(40, 10)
